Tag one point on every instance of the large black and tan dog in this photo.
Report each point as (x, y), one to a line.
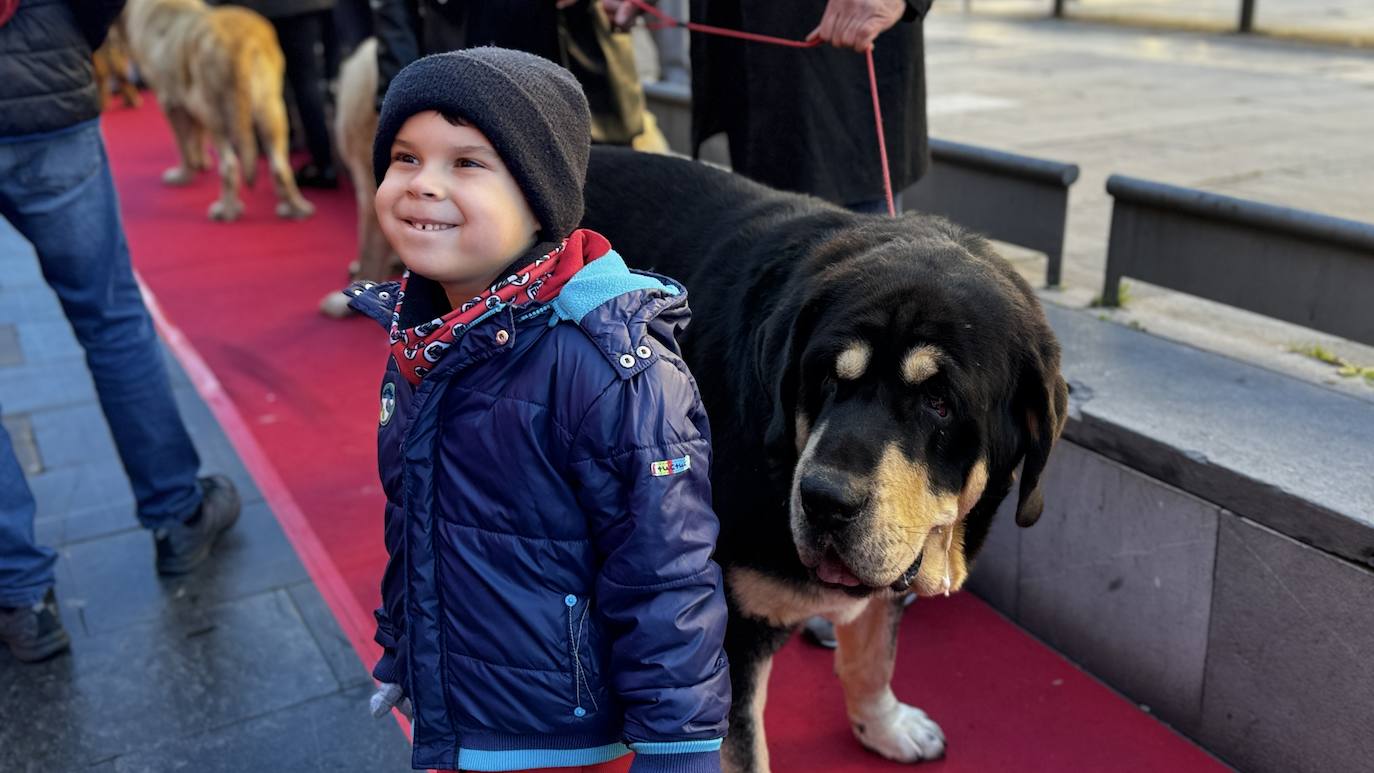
(872, 385)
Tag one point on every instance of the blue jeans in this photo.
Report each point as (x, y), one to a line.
(57, 191)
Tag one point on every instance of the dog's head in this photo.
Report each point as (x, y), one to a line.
(910, 379)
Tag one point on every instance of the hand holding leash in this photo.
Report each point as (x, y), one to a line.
(857, 23)
(622, 12)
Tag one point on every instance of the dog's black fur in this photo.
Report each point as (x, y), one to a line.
(779, 285)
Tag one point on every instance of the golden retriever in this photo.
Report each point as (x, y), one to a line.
(217, 73)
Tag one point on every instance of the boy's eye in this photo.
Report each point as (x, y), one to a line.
(404, 158)
(469, 163)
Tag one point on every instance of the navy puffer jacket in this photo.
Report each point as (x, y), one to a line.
(550, 597)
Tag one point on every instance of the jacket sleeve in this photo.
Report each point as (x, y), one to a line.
(396, 24)
(390, 625)
(641, 461)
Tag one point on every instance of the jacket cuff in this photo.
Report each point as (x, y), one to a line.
(675, 762)
(386, 669)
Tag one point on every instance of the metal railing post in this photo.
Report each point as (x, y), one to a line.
(1247, 15)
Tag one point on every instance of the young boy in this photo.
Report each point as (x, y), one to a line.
(550, 598)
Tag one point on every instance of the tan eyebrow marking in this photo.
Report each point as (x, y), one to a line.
(853, 361)
(921, 363)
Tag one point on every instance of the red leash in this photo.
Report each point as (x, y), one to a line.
(667, 21)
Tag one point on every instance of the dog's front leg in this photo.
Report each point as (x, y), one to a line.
(187, 134)
(750, 644)
(864, 660)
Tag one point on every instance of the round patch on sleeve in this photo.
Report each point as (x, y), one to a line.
(388, 402)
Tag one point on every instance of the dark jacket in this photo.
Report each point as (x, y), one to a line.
(802, 119)
(549, 526)
(47, 82)
(578, 38)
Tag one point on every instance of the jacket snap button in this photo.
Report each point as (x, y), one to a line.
(357, 292)
(570, 600)
(627, 361)
(384, 295)
(579, 712)
(644, 352)
(502, 337)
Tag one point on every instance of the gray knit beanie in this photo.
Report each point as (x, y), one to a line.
(531, 110)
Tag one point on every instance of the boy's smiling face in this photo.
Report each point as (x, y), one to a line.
(450, 207)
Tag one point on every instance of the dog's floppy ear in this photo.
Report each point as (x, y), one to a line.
(778, 363)
(1042, 402)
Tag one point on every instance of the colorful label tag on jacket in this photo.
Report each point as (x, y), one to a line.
(670, 466)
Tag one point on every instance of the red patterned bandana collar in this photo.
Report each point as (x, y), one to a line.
(418, 349)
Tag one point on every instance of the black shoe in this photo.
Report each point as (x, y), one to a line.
(315, 176)
(34, 633)
(184, 546)
(820, 632)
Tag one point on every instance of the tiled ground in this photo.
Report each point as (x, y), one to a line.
(1336, 19)
(237, 667)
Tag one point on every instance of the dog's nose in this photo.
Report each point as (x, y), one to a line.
(830, 499)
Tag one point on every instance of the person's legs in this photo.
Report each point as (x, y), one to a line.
(26, 570)
(30, 626)
(61, 197)
(299, 35)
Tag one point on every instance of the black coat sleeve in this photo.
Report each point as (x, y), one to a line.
(94, 18)
(917, 9)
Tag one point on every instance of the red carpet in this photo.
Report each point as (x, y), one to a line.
(299, 401)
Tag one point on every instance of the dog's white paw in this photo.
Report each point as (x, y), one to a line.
(226, 211)
(335, 305)
(900, 732)
(295, 210)
(178, 175)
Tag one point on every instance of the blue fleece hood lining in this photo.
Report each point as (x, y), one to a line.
(605, 278)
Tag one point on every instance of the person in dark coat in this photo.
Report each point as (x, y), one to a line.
(574, 33)
(550, 598)
(305, 29)
(802, 119)
(56, 190)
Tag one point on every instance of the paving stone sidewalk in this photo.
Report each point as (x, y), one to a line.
(237, 667)
(1274, 121)
(1332, 20)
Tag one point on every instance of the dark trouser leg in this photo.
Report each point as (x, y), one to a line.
(299, 36)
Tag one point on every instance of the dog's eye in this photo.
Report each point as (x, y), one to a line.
(937, 405)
